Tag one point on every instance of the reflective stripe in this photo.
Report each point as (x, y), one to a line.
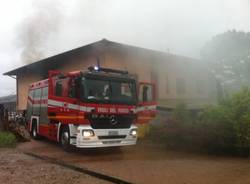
(66, 117)
(86, 109)
(69, 106)
(55, 103)
(73, 106)
(89, 109)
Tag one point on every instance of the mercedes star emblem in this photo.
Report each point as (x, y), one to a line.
(113, 119)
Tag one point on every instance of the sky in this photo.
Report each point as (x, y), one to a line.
(34, 29)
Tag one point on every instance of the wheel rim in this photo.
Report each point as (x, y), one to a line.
(65, 138)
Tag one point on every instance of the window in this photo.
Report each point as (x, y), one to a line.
(44, 107)
(37, 104)
(200, 87)
(58, 90)
(180, 86)
(72, 90)
(108, 91)
(30, 105)
(126, 89)
(167, 85)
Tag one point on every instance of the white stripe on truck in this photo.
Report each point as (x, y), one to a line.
(89, 109)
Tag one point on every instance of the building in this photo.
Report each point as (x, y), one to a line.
(8, 102)
(178, 79)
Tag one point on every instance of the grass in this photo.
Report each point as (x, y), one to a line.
(7, 140)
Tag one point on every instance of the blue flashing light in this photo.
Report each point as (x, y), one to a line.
(96, 68)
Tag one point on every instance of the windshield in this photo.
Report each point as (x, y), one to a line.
(108, 91)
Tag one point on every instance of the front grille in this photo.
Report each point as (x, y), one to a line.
(112, 137)
(106, 121)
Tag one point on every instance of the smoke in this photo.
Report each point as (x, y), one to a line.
(57, 26)
(39, 28)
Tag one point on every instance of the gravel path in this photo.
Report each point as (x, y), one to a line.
(18, 168)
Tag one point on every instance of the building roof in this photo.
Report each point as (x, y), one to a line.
(7, 99)
(97, 46)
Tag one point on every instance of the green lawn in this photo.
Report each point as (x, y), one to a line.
(7, 139)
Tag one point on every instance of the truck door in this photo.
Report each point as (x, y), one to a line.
(146, 109)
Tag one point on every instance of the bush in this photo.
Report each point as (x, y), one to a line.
(216, 130)
(7, 139)
(180, 129)
(222, 128)
(240, 116)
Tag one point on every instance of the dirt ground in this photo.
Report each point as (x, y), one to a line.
(147, 162)
(18, 168)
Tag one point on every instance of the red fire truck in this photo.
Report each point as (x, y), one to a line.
(99, 107)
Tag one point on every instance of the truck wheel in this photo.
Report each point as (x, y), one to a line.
(65, 139)
(34, 133)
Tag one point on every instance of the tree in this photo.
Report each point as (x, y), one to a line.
(228, 55)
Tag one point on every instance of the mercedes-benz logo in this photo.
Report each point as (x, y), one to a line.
(113, 119)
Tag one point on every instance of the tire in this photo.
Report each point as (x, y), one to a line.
(65, 139)
(34, 133)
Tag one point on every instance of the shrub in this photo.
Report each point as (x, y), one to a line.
(216, 129)
(7, 139)
(240, 105)
(180, 129)
(220, 128)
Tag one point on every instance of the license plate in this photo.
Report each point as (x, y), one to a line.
(111, 142)
(113, 132)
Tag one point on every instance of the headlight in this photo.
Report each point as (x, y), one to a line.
(133, 132)
(87, 133)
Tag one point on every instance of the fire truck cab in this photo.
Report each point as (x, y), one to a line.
(100, 107)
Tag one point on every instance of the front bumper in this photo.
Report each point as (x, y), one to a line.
(102, 137)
